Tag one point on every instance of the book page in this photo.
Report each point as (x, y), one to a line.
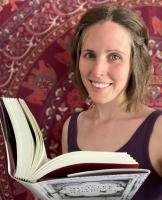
(40, 156)
(24, 141)
(86, 160)
(9, 140)
(29, 149)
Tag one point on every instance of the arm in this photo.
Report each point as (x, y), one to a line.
(155, 147)
(65, 136)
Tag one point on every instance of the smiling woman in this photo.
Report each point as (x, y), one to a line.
(112, 66)
(133, 29)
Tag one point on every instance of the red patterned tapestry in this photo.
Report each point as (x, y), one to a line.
(35, 40)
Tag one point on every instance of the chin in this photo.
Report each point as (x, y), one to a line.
(105, 99)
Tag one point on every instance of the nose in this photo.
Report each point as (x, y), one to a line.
(100, 68)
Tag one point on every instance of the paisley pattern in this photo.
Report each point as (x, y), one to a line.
(35, 37)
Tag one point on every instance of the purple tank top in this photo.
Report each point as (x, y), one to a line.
(137, 147)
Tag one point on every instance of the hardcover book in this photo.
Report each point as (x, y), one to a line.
(75, 175)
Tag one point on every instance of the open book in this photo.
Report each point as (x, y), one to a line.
(78, 175)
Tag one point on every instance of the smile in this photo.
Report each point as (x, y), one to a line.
(100, 85)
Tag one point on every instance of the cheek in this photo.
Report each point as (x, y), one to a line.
(83, 68)
(121, 72)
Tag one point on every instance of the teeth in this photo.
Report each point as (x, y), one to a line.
(100, 85)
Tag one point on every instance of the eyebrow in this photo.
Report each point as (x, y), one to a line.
(116, 50)
(89, 50)
(107, 51)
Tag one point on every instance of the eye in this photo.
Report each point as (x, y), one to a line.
(115, 57)
(89, 55)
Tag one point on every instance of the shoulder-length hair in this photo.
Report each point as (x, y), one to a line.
(140, 59)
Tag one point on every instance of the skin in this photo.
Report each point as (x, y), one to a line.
(105, 70)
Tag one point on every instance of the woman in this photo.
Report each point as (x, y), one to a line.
(112, 67)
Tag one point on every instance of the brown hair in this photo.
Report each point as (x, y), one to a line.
(140, 58)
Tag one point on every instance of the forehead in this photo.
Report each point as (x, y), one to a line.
(106, 35)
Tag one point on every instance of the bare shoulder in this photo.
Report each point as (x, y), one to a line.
(158, 128)
(155, 145)
(65, 128)
(159, 120)
(65, 136)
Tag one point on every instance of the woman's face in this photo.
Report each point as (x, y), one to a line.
(105, 61)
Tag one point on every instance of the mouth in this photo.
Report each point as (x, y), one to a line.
(100, 85)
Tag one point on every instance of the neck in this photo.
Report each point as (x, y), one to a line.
(112, 111)
(106, 111)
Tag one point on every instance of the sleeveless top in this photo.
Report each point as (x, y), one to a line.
(137, 147)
